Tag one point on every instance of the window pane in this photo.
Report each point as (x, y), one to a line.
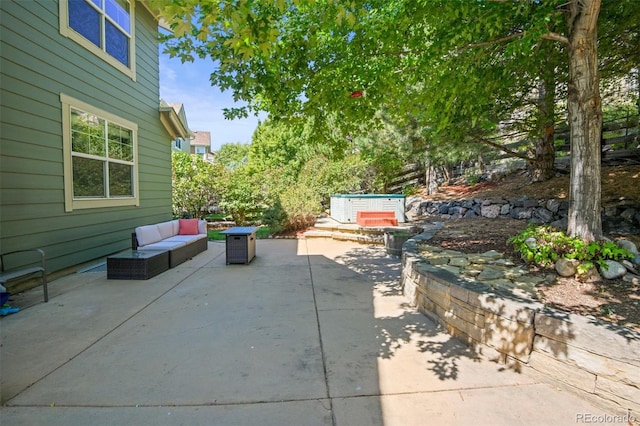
(85, 20)
(80, 135)
(117, 43)
(120, 180)
(120, 143)
(118, 10)
(88, 177)
(87, 133)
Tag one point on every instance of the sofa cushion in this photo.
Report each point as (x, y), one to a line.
(188, 227)
(166, 230)
(176, 226)
(202, 227)
(185, 238)
(147, 234)
(164, 245)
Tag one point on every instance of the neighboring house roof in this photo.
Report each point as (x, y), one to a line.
(174, 120)
(201, 138)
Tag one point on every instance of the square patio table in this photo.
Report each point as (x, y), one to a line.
(137, 264)
(240, 244)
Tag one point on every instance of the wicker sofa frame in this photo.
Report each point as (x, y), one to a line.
(178, 254)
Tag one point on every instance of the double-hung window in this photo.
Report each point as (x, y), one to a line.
(105, 27)
(100, 151)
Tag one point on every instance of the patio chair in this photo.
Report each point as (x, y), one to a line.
(22, 265)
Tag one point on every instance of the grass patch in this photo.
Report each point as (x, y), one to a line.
(218, 217)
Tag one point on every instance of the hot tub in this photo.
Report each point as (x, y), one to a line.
(345, 207)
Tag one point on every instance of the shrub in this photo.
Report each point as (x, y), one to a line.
(410, 190)
(242, 197)
(301, 204)
(195, 185)
(543, 245)
(472, 178)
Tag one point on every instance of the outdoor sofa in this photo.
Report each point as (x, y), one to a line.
(183, 238)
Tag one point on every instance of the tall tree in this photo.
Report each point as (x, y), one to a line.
(441, 62)
(585, 119)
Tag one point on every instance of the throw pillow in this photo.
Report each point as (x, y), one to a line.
(188, 227)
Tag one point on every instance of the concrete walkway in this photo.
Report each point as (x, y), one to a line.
(312, 332)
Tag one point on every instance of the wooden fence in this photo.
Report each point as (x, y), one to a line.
(412, 174)
(620, 140)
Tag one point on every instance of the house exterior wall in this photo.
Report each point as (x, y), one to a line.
(38, 65)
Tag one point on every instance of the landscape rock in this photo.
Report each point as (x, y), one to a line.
(613, 270)
(553, 205)
(630, 267)
(566, 267)
(521, 213)
(628, 214)
(628, 245)
(560, 223)
(531, 242)
(491, 211)
(591, 276)
(543, 214)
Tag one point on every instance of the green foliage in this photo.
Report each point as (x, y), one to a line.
(410, 190)
(543, 245)
(385, 151)
(278, 144)
(275, 216)
(300, 205)
(326, 177)
(195, 185)
(233, 155)
(472, 178)
(241, 196)
(459, 69)
(293, 211)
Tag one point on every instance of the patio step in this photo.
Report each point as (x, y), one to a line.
(327, 227)
(376, 218)
(370, 238)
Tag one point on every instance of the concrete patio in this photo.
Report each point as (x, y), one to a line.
(312, 332)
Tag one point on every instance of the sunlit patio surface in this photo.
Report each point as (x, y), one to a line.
(311, 332)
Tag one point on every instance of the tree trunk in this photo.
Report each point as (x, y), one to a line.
(545, 155)
(431, 178)
(585, 121)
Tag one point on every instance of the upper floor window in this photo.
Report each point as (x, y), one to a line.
(100, 157)
(103, 26)
(178, 143)
(201, 150)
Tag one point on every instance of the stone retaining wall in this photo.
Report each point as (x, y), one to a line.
(622, 216)
(602, 360)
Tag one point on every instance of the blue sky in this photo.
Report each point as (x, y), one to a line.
(189, 85)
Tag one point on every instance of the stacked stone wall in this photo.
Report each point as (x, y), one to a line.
(622, 216)
(601, 360)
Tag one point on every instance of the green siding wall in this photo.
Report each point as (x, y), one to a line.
(37, 64)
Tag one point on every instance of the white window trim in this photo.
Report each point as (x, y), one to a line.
(69, 32)
(71, 204)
